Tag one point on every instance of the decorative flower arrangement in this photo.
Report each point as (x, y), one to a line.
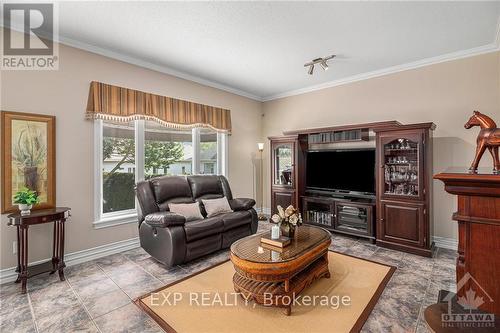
(288, 220)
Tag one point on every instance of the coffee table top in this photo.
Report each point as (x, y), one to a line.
(306, 237)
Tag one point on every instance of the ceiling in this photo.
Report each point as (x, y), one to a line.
(258, 49)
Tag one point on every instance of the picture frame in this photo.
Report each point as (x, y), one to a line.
(28, 157)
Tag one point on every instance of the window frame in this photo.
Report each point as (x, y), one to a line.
(104, 220)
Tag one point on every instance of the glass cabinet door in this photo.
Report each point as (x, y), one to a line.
(402, 168)
(283, 164)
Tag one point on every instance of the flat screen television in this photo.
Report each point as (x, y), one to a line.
(341, 170)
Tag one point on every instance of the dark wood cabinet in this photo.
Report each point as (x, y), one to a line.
(402, 223)
(282, 198)
(284, 180)
(404, 163)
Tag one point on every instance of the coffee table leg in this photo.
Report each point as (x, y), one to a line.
(327, 275)
(288, 310)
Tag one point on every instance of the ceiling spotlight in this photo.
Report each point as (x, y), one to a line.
(311, 69)
(322, 61)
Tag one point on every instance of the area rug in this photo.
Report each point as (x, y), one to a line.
(206, 301)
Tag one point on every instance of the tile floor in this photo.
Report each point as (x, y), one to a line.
(97, 295)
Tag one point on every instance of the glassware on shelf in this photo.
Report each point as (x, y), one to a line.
(401, 168)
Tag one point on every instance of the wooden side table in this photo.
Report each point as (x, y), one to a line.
(58, 215)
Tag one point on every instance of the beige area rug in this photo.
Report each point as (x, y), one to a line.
(206, 302)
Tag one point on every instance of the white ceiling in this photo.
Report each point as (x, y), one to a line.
(258, 49)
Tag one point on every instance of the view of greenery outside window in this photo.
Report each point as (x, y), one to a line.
(118, 153)
(166, 151)
(208, 152)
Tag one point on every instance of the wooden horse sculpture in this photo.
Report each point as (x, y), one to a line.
(489, 137)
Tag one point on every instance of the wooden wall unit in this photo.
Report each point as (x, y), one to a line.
(403, 211)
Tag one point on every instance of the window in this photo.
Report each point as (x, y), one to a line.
(129, 152)
(167, 151)
(208, 152)
(118, 159)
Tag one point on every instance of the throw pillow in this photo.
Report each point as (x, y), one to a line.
(216, 206)
(191, 211)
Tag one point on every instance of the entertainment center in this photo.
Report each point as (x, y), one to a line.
(368, 180)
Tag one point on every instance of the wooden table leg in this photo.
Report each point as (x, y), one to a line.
(61, 250)
(288, 309)
(55, 250)
(24, 257)
(327, 275)
(18, 269)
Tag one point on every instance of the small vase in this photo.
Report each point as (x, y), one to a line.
(287, 230)
(25, 209)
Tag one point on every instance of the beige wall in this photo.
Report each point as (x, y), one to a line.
(63, 93)
(444, 93)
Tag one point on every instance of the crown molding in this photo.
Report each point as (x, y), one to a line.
(492, 47)
(145, 64)
(152, 66)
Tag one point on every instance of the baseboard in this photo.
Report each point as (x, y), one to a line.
(9, 274)
(446, 243)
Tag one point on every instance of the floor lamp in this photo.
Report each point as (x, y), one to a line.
(262, 216)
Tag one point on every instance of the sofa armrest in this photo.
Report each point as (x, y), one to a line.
(164, 219)
(241, 204)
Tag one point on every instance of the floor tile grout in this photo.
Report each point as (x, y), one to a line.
(32, 310)
(83, 305)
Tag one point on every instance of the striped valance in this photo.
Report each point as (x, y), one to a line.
(110, 102)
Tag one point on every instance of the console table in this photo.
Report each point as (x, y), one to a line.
(478, 262)
(58, 215)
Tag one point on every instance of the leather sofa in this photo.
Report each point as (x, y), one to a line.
(172, 240)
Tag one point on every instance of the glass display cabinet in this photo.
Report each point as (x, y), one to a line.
(404, 183)
(401, 167)
(283, 161)
(318, 211)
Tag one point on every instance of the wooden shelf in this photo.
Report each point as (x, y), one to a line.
(44, 267)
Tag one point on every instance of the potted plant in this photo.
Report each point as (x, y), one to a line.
(25, 199)
(288, 219)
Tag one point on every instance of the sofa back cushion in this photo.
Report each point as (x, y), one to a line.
(191, 211)
(205, 187)
(215, 207)
(171, 189)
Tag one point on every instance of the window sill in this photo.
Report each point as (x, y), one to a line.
(107, 222)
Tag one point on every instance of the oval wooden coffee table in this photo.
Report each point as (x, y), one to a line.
(274, 277)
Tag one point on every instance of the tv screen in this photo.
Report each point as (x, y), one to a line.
(345, 170)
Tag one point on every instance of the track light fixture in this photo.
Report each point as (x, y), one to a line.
(322, 61)
(311, 69)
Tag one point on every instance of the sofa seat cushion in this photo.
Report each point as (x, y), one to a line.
(203, 228)
(236, 219)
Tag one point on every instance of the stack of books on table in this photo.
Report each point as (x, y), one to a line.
(276, 243)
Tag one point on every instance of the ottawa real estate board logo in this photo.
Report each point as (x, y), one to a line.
(29, 31)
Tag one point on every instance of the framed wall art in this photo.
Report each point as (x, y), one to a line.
(28, 158)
